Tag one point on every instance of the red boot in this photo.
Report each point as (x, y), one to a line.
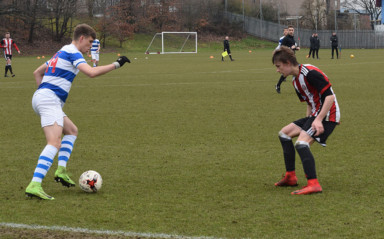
(289, 180)
(313, 186)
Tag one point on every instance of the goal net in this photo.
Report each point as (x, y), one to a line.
(173, 42)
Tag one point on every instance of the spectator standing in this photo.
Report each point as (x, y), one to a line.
(335, 43)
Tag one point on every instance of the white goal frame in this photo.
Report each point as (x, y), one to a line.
(163, 49)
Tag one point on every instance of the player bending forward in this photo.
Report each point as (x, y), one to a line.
(322, 116)
(54, 80)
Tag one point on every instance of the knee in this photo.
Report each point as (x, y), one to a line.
(301, 144)
(75, 131)
(284, 136)
(72, 131)
(55, 143)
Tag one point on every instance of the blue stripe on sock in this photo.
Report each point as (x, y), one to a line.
(45, 167)
(38, 175)
(67, 142)
(63, 158)
(46, 159)
(66, 150)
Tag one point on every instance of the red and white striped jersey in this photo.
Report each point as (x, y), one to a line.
(7, 45)
(310, 85)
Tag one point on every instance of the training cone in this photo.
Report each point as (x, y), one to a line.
(211, 57)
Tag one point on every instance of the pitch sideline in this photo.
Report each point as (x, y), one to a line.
(101, 232)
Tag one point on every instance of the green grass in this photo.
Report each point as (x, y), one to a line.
(188, 145)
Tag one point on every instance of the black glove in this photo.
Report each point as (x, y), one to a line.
(121, 61)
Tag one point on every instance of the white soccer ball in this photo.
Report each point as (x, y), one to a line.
(90, 181)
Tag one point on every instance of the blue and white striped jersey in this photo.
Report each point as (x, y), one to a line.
(61, 71)
(95, 45)
(280, 41)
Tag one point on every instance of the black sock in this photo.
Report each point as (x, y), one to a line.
(10, 69)
(307, 159)
(282, 78)
(6, 70)
(222, 58)
(289, 153)
(230, 57)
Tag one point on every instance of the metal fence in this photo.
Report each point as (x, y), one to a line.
(369, 39)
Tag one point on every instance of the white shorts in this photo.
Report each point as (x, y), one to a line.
(95, 55)
(49, 107)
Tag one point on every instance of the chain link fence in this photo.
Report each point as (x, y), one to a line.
(369, 39)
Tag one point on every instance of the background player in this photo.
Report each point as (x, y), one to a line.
(227, 48)
(7, 43)
(285, 32)
(322, 116)
(288, 41)
(54, 80)
(95, 52)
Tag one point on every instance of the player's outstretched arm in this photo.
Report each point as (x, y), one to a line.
(101, 70)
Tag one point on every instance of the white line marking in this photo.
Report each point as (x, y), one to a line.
(102, 232)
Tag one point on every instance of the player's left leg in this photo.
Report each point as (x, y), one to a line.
(70, 134)
(97, 59)
(277, 86)
(10, 69)
(302, 146)
(6, 66)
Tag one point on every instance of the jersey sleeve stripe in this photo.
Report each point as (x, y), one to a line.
(80, 62)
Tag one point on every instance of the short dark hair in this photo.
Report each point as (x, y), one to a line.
(83, 30)
(284, 55)
(290, 26)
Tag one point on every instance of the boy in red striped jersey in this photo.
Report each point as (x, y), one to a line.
(322, 116)
(7, 43)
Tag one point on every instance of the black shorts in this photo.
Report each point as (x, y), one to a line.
(306, 125)
(7, 56)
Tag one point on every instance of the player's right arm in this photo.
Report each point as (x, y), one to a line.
(101, 70)
(39, 73)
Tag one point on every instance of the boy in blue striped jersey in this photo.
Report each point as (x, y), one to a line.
(54, 80)
(95, 52)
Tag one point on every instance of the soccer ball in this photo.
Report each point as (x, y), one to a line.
(90, 181)
(352, 56)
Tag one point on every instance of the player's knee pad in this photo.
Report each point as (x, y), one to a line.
(301, 144)
(284, 137)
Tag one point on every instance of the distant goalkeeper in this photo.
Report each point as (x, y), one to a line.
(227, 49)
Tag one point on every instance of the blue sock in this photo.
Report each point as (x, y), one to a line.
(66, 149)
(44, 163)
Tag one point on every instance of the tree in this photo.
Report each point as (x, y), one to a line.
(61, 12)
(163, 14)
(314, 14)
(364, 7)
(122, 20)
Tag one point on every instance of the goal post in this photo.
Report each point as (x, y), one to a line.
(173, 43)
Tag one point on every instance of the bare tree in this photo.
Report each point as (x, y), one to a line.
(314, 14)
(364, 7)
(61, 14)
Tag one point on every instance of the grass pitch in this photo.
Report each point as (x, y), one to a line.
(187, 145)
